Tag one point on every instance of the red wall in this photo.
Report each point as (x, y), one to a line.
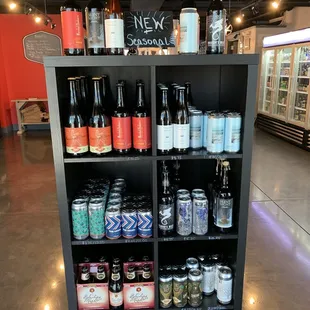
(19, 77)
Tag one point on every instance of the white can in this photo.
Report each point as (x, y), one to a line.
(189, 31)
(208, 271)
(224, 288)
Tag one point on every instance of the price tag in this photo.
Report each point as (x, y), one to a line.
(135, 240)
(189, 239)
(132, 158)
(220, 157)
(177, 157)
(214, 237)
(168, 239)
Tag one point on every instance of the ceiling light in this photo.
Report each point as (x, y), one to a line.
(12, 6)
(47, 307)
(239, 19)
(54, 284)
(252, 301)
(37, 19)
(62, 267)
(275, 4)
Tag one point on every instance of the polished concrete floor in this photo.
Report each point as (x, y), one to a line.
(277, 274)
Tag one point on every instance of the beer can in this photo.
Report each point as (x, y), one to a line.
(192, 263)
(232, 132)
(208, 282)
(184, 216)
(180, 290)
(115, 196)
(217, 268)
(113, 222)
(96, 218)
(189, 31)
(183, 192)
(165, 290)
(129, 223)
(198, 193)
(225, 284)
(205, 129)
(80, 223)
(195, 287)
(195, 121)
(200, 215)
(145, 223)
(215, 134)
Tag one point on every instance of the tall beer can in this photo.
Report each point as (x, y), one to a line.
(145, 222)
(184, 215)
(96, 218)
(113, 221)
(200, 215)
(224, 288)
(189, 31)
(215, 135)
(195, 121)
(80, 223)
(129, 223)
(232, 132)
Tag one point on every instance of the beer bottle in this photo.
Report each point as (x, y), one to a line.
(131, 274)
(131, 259)
(225, 203)
(80, 99)
(145, 258)
(146, 274)
(114, 28)
(94, 15)
(103, 259)
(164, 126)
(116, 290)
(121, 124)
(176, 180)
(216, 27)
(85, 276)
(116, 263)
(188, 96)
(75, 129)
(72, 28)
(141, 123)
(101, 275)
(181, 125)
(108, 96)
(85, 93)
(166, 206)
(99, 129)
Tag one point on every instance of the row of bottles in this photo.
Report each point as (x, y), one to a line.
(185, 213)
(105, 28)
(99, 133)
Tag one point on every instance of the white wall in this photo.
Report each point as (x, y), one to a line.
(297, 18)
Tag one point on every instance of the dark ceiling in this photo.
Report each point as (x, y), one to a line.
(262, 13)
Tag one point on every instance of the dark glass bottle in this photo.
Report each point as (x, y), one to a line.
(181, 125)
(116, 263)
(147, 274)
(214, 188)
(188, 96)
(166, 220)
(164, 125)
(94, 16)
(121, 124)
(114, 28)
(81, 99)
(103, 259)
(176, 180)
(116, 290)
(85, 277)
(216, 27)
(72, 37)
(101, 276)
(225, 203)
(145, 258)
(131, 274)
(75, 129)
(131, 259)
(108, 96)
(99, 129)
(141, 123)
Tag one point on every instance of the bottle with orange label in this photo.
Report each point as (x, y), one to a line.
(75, 129)
(121, 124)
(141, 122)
(72, 28)
(99, 128)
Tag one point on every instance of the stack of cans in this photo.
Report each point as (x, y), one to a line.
(191, 212)
(102, 209)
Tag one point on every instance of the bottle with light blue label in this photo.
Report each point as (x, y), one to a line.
(80, 219)
(215, 133)
(232, 132)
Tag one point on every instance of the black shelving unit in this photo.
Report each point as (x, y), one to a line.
(218, 82)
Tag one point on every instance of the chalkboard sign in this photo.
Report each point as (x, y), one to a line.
(149, 29)
(40, 44)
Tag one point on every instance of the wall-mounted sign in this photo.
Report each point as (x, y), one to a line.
(149, 29)
(40, 44)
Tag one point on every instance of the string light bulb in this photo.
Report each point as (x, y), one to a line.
(37, 19)
(252, 301)
(275, 4)
(12, 6)
(239, 19)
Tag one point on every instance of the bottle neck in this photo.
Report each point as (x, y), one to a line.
(120, 96)
(146, 275)
(165, 182)
(131, 275)
(225, 178)
(73, 99)
(85, 276)
(115, 276)
(140, 96)
(101, 275)
(97, 94)
(83, 88)
(181, 102)
(165, 99)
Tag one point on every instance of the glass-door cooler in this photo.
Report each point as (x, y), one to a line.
(266, 95)
(283, 75)
(298, 111)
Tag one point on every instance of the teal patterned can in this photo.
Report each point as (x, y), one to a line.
(80, 219)
(96, 218)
